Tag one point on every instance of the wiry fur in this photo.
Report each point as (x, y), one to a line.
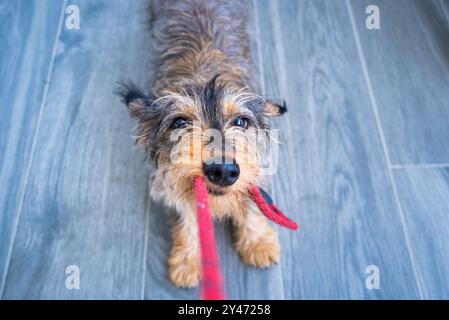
(201, 66)
(197, 40)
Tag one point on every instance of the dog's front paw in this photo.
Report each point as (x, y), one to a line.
(184, 272)
(261, 252)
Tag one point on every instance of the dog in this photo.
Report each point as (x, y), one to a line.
(203, 81)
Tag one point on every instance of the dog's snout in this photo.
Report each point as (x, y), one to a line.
(222, 174)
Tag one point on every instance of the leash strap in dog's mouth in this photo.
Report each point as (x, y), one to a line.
(268, 208)
(212, 280)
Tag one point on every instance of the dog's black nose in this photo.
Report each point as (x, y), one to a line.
(223, 174)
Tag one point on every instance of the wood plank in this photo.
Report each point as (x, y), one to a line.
(424, 195)
(27, 34)
(333, 177)
(85, 200)
(444, 4)
(408, 64)
(157, 283)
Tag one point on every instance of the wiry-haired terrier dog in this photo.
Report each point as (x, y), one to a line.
(203, 81)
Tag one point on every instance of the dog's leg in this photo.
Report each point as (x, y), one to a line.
(256, 242)
(184, 261)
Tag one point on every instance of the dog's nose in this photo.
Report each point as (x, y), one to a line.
(222, 174)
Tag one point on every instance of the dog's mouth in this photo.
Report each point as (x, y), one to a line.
(216, 190)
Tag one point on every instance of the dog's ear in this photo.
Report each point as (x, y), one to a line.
(136, 101)
(272, 109)
(141, 108)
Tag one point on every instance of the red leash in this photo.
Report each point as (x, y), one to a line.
(266, 205)
(212, 280)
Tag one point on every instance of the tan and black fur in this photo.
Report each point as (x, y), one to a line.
(201, 66)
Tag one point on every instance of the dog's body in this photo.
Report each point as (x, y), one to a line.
(203, 80)
(196, 40)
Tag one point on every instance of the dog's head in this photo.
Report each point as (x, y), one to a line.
(214, 131)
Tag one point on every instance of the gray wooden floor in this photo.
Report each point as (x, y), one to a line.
(365, 164)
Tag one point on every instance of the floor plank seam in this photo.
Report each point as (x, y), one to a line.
(33, 147)
(260, 67)
(261, 76)
(383, 142)
(420, 166)
(147, 228)
(445, 13)
(283, 83)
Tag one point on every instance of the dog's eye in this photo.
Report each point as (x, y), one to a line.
(241, 122)
(179, 123)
